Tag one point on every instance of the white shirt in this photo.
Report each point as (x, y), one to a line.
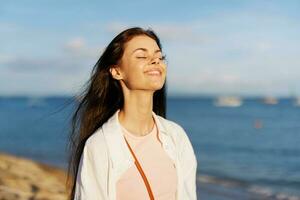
(106, 156)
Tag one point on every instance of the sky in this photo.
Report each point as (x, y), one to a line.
(225, 47)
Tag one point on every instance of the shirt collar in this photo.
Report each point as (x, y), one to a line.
(116, 144)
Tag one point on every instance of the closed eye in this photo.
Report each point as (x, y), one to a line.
(163, 58)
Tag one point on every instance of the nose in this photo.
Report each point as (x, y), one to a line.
(155, 61)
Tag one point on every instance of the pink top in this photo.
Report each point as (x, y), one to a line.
(157, 166)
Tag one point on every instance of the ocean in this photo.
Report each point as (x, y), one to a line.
(247, 150)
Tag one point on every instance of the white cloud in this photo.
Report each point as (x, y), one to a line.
(5, 58)
(32, 64)
(40, 83)
(242, 52)
(7, 27)
(76, 56)
(64, 74)
(77, 47)
(76, 43)
(115, 27)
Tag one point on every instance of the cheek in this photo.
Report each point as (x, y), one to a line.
(134, 72)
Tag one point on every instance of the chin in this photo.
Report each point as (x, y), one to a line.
(156, 87)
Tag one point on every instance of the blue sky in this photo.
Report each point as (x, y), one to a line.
(212, 47)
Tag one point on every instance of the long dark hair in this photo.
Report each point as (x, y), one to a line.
(100, 99)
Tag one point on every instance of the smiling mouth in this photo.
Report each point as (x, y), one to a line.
(154, 73)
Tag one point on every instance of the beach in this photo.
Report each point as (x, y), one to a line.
(24, 179)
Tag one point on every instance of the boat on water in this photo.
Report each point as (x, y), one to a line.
(296, 101)
(270, 100)
(35, 102)
(228, 101)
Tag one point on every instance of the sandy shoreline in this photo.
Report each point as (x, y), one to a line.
(24, 179)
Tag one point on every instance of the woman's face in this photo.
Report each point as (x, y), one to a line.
(142, 66)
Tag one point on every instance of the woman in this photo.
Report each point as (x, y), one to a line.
(122, 145)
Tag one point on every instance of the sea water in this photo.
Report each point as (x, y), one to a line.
(253, 147)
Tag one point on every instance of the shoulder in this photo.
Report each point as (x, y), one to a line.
(174, 128)
(93, 167)
(95, 145)
(182, 140)
(96, 139)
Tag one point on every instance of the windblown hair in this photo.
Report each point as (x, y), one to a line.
(101, 97)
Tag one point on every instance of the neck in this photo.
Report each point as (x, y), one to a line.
(136, 114)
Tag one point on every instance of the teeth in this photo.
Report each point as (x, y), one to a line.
(154, 72)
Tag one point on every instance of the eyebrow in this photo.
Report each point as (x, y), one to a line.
(143, 49)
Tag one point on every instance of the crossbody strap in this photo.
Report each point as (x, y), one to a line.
(141, 172)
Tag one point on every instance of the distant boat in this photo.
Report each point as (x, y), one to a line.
(270, 100)
(297, 101)
(35, 102)
(228, 101)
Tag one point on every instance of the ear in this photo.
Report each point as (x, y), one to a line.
(115, 72)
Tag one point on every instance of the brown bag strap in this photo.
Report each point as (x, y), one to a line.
(141, 172)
